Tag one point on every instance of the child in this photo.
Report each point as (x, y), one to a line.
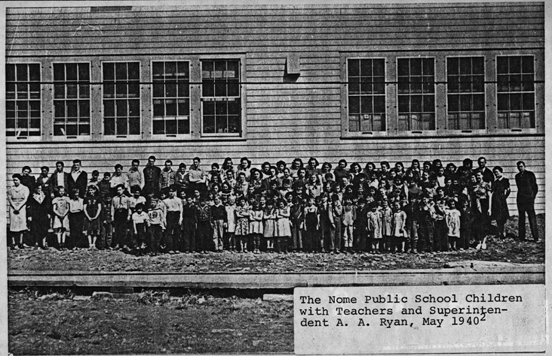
(120, 212)
(326, 221)
(269, 225)
(466, 223)
(296, 220)
(60, 207)
(375, 221)
(106, 233)
(412, 210)
(283, 226)
(104, 186)
(92, 211)
(361, 226)
(452, 218)
(173, 220)
(203, 232)
(440, 230)
(242, 224)
(139, 224)
(95, 180)
(76, 217)
(39, 216)
(156, 225)
(348, 219)
(386, 227)
(335, 232)
(399, 227)
(218, 221)
(256, 226)
(189, 225)
(426, 223)
(311, 224)
(230, 226)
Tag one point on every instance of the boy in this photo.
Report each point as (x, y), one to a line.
(156, 225)
(361, 226)
(60, 206)
(139, 222)
(168, 176)
(104, 186)
(173, 220)
(203, 224)
(189, 225)
(95, 180)
(120, 212)
(218, 220)
(106, 233)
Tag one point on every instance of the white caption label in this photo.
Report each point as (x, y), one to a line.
(414, 319)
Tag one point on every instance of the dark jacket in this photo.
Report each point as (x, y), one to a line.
(527, 187)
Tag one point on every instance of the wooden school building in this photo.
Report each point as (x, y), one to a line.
(364, 82)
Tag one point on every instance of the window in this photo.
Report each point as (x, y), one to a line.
(221, 96)
(466, 93)
(121, 98)
(416, 89)
(71, 99)
(171, 98)
(366, 94)
(515, 92)
(23, 112)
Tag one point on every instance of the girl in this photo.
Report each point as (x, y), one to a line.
(242, 224)
(228, 166)
(283, 226)
(361, 226)
(226, 190)
(230, 226)
(297, 217)
(269, 225)
(92, 211)
(256, 181)
(241, 187)
(375, 223)
(499, 204)
(386, 226)
(440, 230)
(281, 166)
(399, 227)
(39, 217)
(335, 233)
(230, 179)
(312, 169)
(466, 221)
(60, 207)
(76, 218)
(326, 173)
(295, 166)
(311, 224)
(245, 168)
(348, 219)
(139, 225)
(452, 218)
(17, 199)
(256, 226)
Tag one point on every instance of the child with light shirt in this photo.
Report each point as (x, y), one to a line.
(156, 225)
(139, 224)
(60, 207)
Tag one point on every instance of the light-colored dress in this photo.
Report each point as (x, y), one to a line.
(18, 195)
(387, 217)
(375, 221)
(269, 226)
(399, 224)
(256, 222)
(283, 226)
(230, 218)
(452, 218)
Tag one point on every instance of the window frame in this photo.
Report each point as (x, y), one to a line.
(535, 83)
(435, 89)
(183, 137)
(41, 101)
(485, 99)
(53, 99)
(103, 135)
(386, 113)
(441, 97)
(243, 124)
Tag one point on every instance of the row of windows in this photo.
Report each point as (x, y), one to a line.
(220, 97)
(416, 93)
(121, 99)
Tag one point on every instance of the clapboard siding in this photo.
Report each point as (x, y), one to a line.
(285, 117)
(104, 156)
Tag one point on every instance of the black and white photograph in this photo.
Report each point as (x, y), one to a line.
(176, 170)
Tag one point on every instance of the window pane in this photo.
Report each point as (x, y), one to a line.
(515, 101)
(59, 108)
(134, 126)
(158, 108)
(183, 90)
(121, 106)
(479, 102)
(158, 127)
(158, 90)
(109, 126)
(59, 72)
(415, 66)
(528, 101)
(478, 65)
(84, 71)
(84, 108)
(183, 107)
(84, 91)
(353, 67)
(72, 108)
(428, 66)
(108, 71)
(416, 103)
(71, 91)
(208, 124)
(527, 64)
(121, 71)
(121, 126)
(10, 72)
(71, 72)
(170, 89)
(22, 73)
(109, 108)
(354, 104)
(515, 64)
(171, 108)
(366, 68)
(234, 108)
(502, 65)
(158, 70)
(503, 102)
(233, 88)
(379, 104)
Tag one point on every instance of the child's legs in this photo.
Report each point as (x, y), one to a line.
(349, 236)
(332, 239)
(338, 235)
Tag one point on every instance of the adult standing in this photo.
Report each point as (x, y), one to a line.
(499, 205)
(152, 175)
(527, 191)
(27, 179)
(481, 196)
(488, 175)
(135, 178)
(58, 178)
(17, 199)
(197, 178)
(78, 178)
(39, 216)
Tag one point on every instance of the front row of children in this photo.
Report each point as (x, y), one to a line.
(173, 224)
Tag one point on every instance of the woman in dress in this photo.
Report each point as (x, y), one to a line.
(481, 194)
(39, 218)
(17, 199)
(499, 206)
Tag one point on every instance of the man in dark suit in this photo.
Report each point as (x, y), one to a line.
(78, 178)
(152, 176)
(488, 175)
(59, 177)
(527, 191)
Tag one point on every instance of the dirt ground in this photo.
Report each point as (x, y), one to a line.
(150, 323)
(509, 249)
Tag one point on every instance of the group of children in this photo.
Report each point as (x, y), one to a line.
(273, 209)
